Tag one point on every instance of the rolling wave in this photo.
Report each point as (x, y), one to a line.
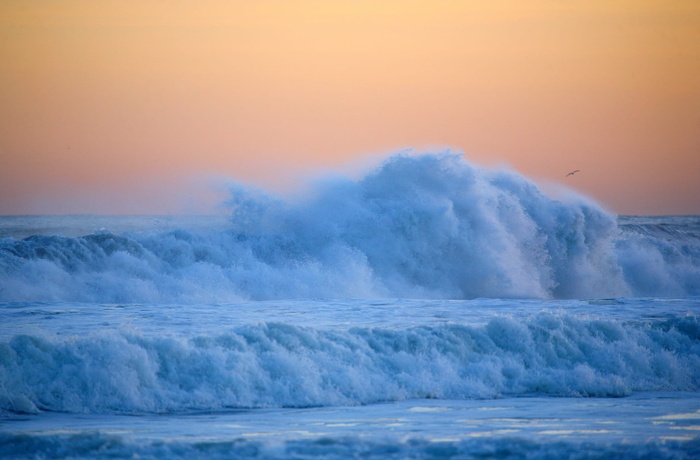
(280, 365)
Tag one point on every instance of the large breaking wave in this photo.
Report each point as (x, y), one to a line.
(427, 226)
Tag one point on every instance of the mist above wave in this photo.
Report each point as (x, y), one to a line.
(421, 226)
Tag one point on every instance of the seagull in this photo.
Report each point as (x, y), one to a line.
(572, 173)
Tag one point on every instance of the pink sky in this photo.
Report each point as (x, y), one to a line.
(123, 106)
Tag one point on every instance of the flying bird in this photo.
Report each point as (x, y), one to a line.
(572, 173)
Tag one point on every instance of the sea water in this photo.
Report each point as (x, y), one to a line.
(430, 309)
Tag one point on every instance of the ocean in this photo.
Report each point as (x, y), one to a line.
(428, 309)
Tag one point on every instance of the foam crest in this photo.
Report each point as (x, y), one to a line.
(273, 365)
(420, 226)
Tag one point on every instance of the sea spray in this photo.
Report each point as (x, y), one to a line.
(418, 226)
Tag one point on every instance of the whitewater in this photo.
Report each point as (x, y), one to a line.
(428, 309)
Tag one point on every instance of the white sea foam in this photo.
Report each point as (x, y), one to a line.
(281, 365)
(424, 226)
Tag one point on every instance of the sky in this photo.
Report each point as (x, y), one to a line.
(129, 107)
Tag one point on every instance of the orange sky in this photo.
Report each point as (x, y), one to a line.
(113, 106)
